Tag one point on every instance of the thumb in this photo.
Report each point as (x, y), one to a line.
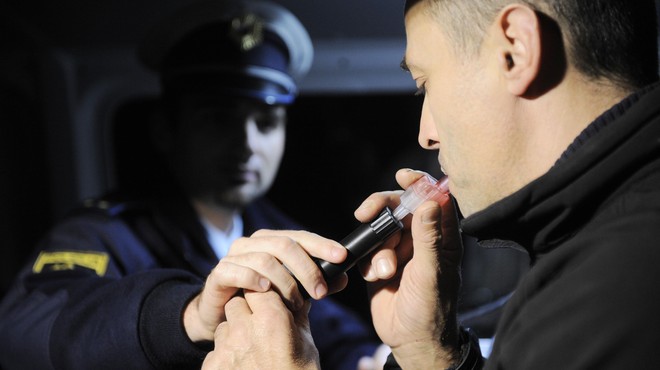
(439, 251)
(426, 233)
(437, 241)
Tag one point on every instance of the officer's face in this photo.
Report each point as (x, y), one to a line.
(228, 151)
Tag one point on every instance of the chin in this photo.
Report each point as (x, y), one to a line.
(238, 198)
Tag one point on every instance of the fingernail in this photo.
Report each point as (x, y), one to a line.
(264, 283)
(370, 276)
(320, 290)
(337, 251)
(384, 267)
(431, 215)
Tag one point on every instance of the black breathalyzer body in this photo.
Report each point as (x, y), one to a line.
(370, 236)
(362, 241)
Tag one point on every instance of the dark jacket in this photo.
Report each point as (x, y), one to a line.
(110, 285)
(591, 226)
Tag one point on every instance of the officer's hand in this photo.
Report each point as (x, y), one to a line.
(262, 333)
(261, 262)
(414, 295)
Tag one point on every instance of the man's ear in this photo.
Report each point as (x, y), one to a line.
(518, 36)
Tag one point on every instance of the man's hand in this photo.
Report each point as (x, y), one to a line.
(262, 333)
(264, 261)
(414, 281)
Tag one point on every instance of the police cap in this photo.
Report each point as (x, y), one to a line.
(245, 48)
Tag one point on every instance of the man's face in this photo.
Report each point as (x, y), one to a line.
(465, 115)
(228, 152)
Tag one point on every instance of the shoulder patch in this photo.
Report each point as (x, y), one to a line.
(68, 260)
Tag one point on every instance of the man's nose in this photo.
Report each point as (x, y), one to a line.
(428, 134)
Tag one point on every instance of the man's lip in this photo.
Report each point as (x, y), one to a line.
(443, 184)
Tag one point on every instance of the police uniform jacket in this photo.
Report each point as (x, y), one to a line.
(108, 285)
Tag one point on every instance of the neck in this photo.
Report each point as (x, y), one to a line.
(220, 217)
(557, 120)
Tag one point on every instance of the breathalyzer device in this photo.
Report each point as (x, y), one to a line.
(369, 236)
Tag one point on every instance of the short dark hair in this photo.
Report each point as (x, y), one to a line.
(614, 40)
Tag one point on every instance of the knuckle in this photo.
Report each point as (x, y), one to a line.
(220, 329)
(238, 245)
(287, 245)
(217, 272)
(290, 288)
(265, 261)
(261, 232)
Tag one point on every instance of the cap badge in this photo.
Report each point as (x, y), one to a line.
(247, 31)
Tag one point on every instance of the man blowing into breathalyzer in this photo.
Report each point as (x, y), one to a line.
(546, 120)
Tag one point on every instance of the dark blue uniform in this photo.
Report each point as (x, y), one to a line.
(108, 285)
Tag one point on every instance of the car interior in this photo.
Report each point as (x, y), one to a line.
(74, 101)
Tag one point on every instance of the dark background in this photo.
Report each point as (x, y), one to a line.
(68, 68)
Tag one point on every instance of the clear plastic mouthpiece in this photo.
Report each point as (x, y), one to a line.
(424, 189)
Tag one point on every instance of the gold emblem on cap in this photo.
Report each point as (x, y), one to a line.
(247, 31)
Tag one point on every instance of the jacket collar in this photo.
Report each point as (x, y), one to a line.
(553, 207)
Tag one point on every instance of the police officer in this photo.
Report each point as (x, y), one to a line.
(131, 282)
